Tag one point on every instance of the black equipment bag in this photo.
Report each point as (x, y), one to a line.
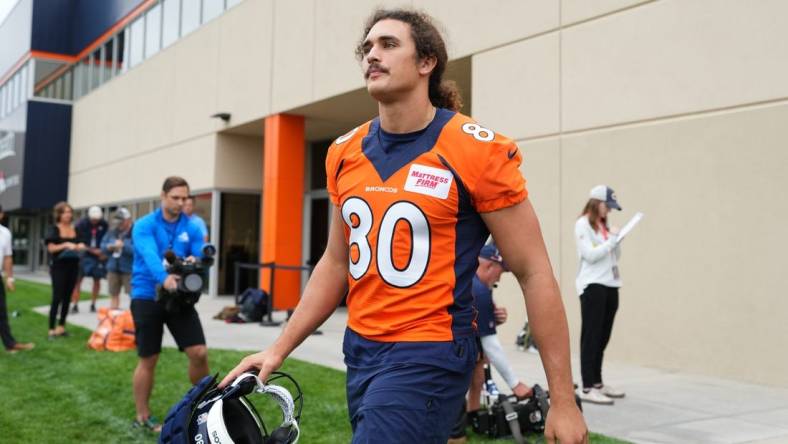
(253, 303)
(509, 417)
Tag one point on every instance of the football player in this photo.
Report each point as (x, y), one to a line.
(417, 191)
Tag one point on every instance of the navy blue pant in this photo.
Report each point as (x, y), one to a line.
(5, 330)
(406, 392)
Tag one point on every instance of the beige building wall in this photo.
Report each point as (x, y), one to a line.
(239, 161)
(678, 105)
(681, 108)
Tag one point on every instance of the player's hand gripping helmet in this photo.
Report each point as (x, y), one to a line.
(210, 415)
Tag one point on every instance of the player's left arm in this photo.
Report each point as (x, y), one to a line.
(517, 234)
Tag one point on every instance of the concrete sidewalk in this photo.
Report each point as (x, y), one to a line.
(660, 407)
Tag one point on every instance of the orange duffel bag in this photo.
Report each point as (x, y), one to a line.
(115, 331)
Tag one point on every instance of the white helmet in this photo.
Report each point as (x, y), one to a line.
(210, 415)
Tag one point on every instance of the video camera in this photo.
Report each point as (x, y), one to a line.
(505, 415)
(192, 278)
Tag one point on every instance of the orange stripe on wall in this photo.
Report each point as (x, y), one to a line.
(53, 56)
(282, 209)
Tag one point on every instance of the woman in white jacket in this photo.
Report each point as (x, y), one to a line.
(597, 284)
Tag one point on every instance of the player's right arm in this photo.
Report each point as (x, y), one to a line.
(322, 294)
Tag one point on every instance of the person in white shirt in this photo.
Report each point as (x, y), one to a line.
(6, 257)
(598, 281)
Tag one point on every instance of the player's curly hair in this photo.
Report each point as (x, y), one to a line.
(429, 43)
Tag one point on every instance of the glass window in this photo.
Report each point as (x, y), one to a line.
(59, 88)
(190, 16)
(67, 83)
(116, 53)
(136, 42)
(82, 78)
(77, 76)
(89, 74)
(153, 31)
(123, 41)
(23, 84)
(319, 150)
(211, 9)
(231, 3)
(18, 77)
(9, 96)
(2, 101)
(171, 17)
(109, 60)
(14, 91)
(31, 79)
(98, 68)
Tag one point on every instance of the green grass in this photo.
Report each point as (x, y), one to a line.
(63, 392)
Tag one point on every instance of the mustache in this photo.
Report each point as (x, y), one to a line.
(375, 67)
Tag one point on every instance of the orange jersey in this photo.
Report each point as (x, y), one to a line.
(412, 222)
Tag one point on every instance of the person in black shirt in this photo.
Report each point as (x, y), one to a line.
(64, 249)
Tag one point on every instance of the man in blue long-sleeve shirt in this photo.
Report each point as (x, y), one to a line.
(165, 229)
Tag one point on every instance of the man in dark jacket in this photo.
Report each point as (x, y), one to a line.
(91, 231)
(117, 245)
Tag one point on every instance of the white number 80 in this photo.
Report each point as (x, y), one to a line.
(359, 232)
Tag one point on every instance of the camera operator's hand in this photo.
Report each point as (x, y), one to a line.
(190, 260)
(171, 283)
(81, 247)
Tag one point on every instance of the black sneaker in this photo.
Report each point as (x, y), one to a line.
(92, 308)
(75, 309)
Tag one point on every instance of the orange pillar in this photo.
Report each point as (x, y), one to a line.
(282, 208)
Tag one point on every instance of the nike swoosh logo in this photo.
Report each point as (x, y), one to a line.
(512, 153)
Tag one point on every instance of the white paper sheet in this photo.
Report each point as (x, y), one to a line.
(630, 225)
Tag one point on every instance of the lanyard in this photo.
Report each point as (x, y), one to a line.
(603, 229)
(171, 232)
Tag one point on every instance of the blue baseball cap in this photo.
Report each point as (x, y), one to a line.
(491, 253)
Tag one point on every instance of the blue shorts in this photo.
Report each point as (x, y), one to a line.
(406, 392)
(92, 267)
